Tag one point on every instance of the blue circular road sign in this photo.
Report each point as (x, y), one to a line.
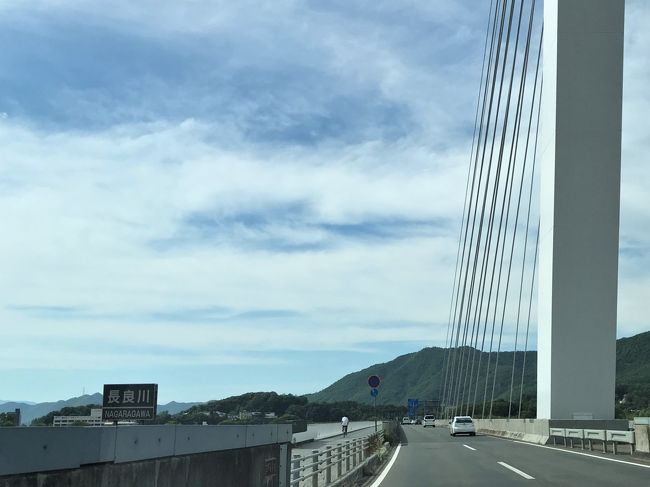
(374, 392)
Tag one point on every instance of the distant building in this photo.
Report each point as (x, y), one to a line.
(95, 419)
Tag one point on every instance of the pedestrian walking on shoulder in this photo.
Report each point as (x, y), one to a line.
(344, 425)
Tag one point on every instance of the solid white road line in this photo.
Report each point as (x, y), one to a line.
(584, 454)
(467, 446)
(381, 478)
(516, 470)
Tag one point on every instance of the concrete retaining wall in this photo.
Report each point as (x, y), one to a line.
(252, 467)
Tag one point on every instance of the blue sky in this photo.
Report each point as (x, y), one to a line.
(223, 197)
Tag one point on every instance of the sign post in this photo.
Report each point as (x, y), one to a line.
(129, 402)
(373, 382)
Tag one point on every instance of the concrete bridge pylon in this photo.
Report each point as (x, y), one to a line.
(580, 149)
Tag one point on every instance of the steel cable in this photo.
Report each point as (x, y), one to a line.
(488, 86)
(481, 288)
(513, 155)
(456, 380)
(498, 173)
(530, 197)
(530, 305)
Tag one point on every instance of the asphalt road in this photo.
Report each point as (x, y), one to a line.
(431, 457)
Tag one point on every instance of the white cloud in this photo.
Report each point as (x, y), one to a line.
(256, 170)
(82, 212)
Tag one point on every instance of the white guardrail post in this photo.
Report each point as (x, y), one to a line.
(621, 437)
(314, 468)
(295, 470)
(339, 460)
(347, 456)
(555, 432)
(360, 451)
(575, 433)
(328, 465)
(599, 435)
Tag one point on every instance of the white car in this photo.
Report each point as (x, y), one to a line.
(429, 420)
(406, 420)
(462, 425)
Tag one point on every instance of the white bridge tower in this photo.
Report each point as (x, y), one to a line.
(580, 197)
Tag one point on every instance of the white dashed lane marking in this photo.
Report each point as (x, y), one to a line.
(516, 470)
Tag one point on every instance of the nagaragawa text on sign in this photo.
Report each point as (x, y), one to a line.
(114, 414)
(129, 402)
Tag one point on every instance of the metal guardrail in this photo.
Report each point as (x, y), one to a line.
(604, 436)
(329, 466)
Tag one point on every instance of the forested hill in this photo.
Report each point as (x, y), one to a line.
(419, 375)
(633, 373)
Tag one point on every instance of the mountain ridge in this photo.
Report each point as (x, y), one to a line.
(420, 375)
(30, 411)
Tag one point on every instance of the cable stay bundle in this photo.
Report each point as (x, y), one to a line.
(494, 281)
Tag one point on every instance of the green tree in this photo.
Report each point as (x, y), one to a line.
(7, 419)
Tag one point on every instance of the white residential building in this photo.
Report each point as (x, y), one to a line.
(95, 419)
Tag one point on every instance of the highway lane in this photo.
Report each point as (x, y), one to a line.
(431, 457)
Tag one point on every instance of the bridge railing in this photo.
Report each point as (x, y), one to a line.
(591, 435)
(332, 465)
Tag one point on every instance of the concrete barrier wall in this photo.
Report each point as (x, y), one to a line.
(392, 430)
(530, 430)
(304, 437)
(259, 466)
(642, 437)
(41, 449)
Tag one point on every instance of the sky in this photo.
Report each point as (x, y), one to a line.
(223, 197)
